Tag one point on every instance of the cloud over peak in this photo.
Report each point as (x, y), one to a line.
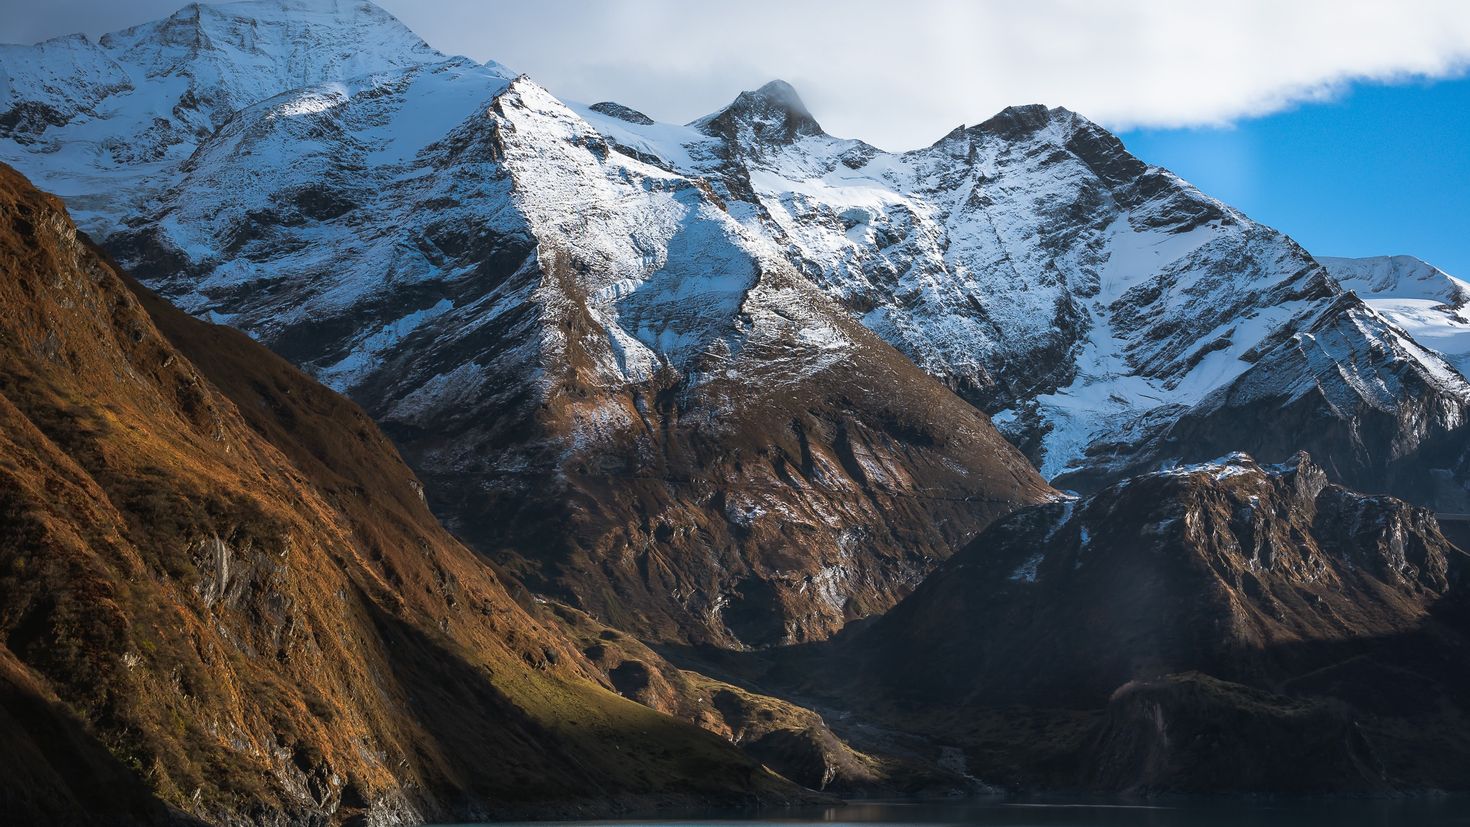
(901, 75)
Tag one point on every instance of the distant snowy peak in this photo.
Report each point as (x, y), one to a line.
(232, 55)
(345, 33)
(774, 113)
(52, 82)
(1343, 382)
(500, 69)
(1403, 277)
(1428, 303)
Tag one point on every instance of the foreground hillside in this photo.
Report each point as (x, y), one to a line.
(221, 593)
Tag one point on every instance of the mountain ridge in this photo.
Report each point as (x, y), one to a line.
(556, 352)
(706, 412)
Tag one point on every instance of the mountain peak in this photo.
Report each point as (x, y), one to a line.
(1017, 122)
(774, 113)
(235, 54)
(778, 90)
(296, 35)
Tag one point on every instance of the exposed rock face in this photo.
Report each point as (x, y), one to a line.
(1213, 626)
(221, 593)
(621, 112)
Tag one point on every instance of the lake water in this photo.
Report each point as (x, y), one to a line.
(1081, 813)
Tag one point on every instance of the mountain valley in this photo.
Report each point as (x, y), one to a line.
(391, 440)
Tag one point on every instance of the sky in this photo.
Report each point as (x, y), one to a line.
(1340, 122)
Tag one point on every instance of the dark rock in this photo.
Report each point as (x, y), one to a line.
(621, 112)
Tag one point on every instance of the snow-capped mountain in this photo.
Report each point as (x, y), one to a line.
(1372, 382)
(1385, 413)
(102, 123)
(600, 372)
(1425, 301)
(1086, 299)
(1030, 261)
(658, 366)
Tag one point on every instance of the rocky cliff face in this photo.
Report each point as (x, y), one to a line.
(1224, 626)
(222, 595)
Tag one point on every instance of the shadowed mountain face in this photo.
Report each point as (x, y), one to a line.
(222, 593)
(1220, 627)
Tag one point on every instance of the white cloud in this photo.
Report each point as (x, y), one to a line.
(902, 74)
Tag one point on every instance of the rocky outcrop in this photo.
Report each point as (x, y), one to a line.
(792, 740)
(1215, 628)
(621, 112)
(223, 597)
